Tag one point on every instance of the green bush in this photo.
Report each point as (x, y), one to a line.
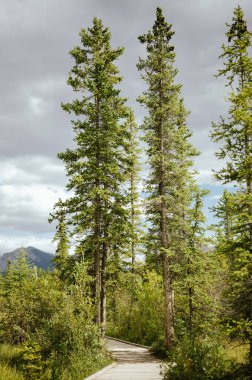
(30, 362)
(71, 342)
(52, 322)
(136, 313)
(200, 359)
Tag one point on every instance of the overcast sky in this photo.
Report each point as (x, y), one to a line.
(35, 38)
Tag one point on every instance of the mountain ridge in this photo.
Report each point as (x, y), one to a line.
(39, 258)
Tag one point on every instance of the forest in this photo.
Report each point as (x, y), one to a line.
(145, 268)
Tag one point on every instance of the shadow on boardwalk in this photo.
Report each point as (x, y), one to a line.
(131, 363)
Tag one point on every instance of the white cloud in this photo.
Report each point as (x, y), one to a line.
(205, 176)
(36, 104)
(44, 243)
(216, 197)
(38, 197)
(29, 188)
(9, 243)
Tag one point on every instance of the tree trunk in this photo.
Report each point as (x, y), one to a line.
(249, 194)
(165, 245)
(165, 241)
(133, 254)
(97, 287)
(168, 301)
(104, 258)
(249, 190)
(167, 281)
(97, 259)
(104, 288)
(97, 229)
(190, 305)
(132, 198)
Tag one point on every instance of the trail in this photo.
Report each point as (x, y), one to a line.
(131, 363)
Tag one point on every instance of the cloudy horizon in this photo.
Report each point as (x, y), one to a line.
(36, 37)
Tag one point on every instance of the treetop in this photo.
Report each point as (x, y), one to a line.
(161, 32)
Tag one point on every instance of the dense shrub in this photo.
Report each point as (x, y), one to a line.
(198, 359)
(137, 311)
(52, 322)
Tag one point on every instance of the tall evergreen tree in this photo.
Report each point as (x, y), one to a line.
(133, 189)
(235, 135)
(62, 239)
(98, 167)
(190, 263)
(169, 155)
(223, 211)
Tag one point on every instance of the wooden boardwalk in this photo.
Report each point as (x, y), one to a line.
(131, 363)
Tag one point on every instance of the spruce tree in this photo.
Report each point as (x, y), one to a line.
(235, 135)
(98, 167)
(18, 271)
(135, 232)
(223, 211)
(191, 264)
(61, 258)
(169, 156)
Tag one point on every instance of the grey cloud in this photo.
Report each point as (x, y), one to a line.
(28, 170)
(35, 37)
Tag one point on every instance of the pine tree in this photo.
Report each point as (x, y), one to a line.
(98, 167)
(194, 263)
(235, 135)
(135, 232)
(18, 271)
(186, 231)
(223, 211)
(169, 155)
(61, 237)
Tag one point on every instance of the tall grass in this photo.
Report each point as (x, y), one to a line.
(84, 364)
(7, 372)
(80, 365)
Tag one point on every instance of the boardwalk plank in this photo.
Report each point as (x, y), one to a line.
(133, 363)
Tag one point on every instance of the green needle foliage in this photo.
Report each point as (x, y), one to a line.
(99, 167)
(235, 133)
(135, 231)
(170, 184)
(53, 327)
(235, 136)
(61, 258)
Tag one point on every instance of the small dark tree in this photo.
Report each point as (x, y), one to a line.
(62, 238)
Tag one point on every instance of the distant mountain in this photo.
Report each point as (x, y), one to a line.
(39, 258)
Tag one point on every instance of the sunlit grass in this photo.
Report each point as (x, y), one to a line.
(8, 373)
(7, 352)
(237, 351)
(84, 366)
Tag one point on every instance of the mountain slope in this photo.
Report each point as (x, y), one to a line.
(39, 258)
